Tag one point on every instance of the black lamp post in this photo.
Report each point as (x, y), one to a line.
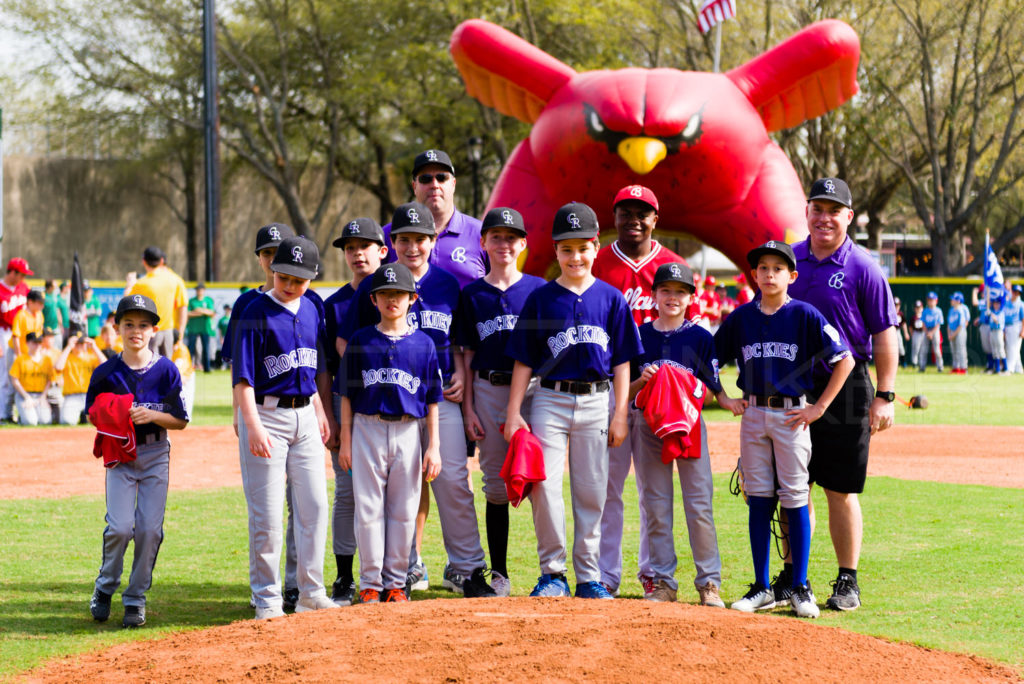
(476, 149)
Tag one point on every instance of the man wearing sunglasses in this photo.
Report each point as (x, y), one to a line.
(457, 249)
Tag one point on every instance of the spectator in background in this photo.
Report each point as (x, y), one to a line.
(959, 317)
(13, 295)
(110, 342)
(167, 291)
(917, 338)
(93, 311)
(30, 376)
(49, 412)
(745, 293)
(712, 304)
(980, 303)
(728, 304)
(183, 360)
(75, 364)
(200, 326)
(903, 334)
(1014, 309)
(65, 310)
(28, 320)
(222, 331)
(53, 317)
(932, 319)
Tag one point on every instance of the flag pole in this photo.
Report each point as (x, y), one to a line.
(716, 62)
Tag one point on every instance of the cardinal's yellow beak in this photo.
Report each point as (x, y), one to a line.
(642, 154)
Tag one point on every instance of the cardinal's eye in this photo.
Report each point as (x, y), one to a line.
(598, 131)
(689, 136)
(594, 122)
(692, 126)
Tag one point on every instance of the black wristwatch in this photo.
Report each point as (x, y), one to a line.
(888, 396)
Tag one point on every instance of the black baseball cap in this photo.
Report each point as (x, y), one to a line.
(575, 220)
(777, 247)
(136, 302)
(834, 189)
(271, 235)
(503, 217)
(674, 273)
(297, 256)
(32, 337)
(393, 277)
(432, 157)
(413, 217)
(363, 227)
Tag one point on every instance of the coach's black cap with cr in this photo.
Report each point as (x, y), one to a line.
(363, 227)
(136, 302)
(777, 247)
(833, 189)
(439, 157)
(297, 256)
(674, 273)
(413, 217)
(575, 220)
(271, 235)
(393, 277)
(503, 217)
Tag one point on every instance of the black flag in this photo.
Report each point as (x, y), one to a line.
(76, 305)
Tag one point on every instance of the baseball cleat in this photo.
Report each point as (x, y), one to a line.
(417, 578)
(614, 592)
(647, 582)
(551, 585)
(451, 580)
(709, 596)
(592, 590)
(269, 613)
(803, 602)
(395, 596)
(759, 597)
(289, 598)
(845, 593)
(369, 596)
(134, 616)
(318, 602)
(99, 605)
(252, 600)
(663, 593)
(343, 591)
(782, 586)
(501, 585)
(476, 586)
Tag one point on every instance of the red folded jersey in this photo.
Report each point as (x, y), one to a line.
(115, 432)
(671, 402)
(524, 465)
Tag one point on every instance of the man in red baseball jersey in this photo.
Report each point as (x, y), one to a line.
(629, 264)
(13, 292)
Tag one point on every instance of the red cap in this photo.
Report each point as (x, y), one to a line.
(709, 281)
(636, 192)
(20, 265)
(740, 278)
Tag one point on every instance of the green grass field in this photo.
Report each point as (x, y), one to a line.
(937, 569)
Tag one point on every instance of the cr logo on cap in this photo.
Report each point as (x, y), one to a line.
(574, 221)
(390, 276)
(353, 228)
(275, 234)
(297, 254)
(676, 273)
(413, 215)
(432, 155)
(636, 191)
(830, 186)
(506, 216)
(138, 300)
(770, 244)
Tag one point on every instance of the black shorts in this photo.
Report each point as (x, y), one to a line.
(840, 438)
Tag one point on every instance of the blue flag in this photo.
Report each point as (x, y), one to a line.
(994, 287)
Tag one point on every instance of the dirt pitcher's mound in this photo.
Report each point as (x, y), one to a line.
(521, 639)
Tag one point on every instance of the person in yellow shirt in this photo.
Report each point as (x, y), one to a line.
(29, 319)
(109, 342)
(76, 363)
(167, 290)
(30, 376)
(54, 397)
(183, 360)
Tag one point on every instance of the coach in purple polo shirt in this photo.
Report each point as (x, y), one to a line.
(457, 250)
(846, 285)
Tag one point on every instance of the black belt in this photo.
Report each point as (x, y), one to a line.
(576, 386)
(154, 437)
(401, 417)
(496, 377)
(284, 401)
(775, 401)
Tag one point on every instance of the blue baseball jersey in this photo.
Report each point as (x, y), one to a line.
(335, 308)
(983, 313)
(1013, 312)
(689, 347)
(562, 335)
(776, 354)
(486, 317)
(238, 308)
(932, 317)
(156, 387)
(278, 352)
(959, 316)
(391, 376)
(433, 313)
(996, 319)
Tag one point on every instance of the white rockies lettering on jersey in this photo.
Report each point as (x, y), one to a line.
(770, 350)
(152, 406)
(432, 320)
(637, 300)
(392, 376)
(581, 334)
(485, 329)
(12, 303)
(670, 362)
(296, 358)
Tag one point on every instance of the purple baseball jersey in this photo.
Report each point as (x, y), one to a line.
(776, 354)
(689, 347)
(156, 387)
(486, 317)
(278, 352)
(391, 376)
(238, 308)
(335, 308)
(456, 250)
(849, 289)
(579, 336)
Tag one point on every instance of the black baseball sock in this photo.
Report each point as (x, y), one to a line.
(849, 571)
(497, 536)
(344, 565)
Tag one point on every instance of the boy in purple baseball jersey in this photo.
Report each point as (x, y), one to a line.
(391, 392)
(488, 311)
(137, 490)
(577, 333)
(776, 341)
(282, 428)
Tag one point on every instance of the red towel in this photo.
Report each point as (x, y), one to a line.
(672, 401)
(524, 465)
(115, 432)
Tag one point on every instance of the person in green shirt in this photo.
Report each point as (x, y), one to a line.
(200, 325)
(222, 331)
(93, 312)
(52, 314)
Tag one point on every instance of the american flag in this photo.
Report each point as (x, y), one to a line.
(713, 12)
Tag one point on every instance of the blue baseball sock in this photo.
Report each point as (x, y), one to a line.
(1002, 365)
(759, 525)
(799, 542)
(990, 362)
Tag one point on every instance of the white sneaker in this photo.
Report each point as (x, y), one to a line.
(758, 598)
(803, 603)
(318, 602)
(500, 584)
(269, 613)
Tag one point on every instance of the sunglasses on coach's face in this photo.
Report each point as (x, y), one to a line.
(428, 178)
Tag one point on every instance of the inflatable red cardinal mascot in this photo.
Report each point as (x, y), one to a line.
(699, 140)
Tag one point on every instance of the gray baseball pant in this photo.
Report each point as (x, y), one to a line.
(997, 344)
(929, 347)
(958, 348)
(7, 391)
(490, 402)
(1013, 362)
(343, 541)
(770, 450)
